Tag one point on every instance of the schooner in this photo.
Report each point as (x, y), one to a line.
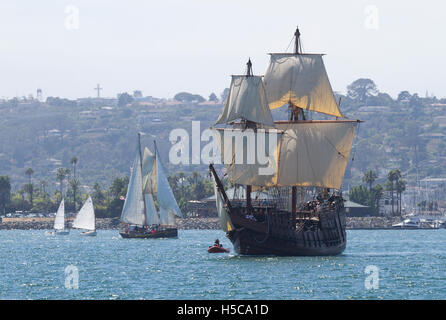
(148, 182)
(303, 213)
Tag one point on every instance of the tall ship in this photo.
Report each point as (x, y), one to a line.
(297, 164)
(141, 217)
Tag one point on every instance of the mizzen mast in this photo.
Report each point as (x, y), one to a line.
(296, 113)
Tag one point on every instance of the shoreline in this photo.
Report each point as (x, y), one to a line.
(353, 223)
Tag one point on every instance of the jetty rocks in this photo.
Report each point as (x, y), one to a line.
(182, 224)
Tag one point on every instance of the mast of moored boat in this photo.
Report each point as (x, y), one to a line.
(142, 190)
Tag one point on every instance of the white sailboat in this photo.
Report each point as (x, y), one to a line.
(85, 219)
(59, 222)
(139, 214)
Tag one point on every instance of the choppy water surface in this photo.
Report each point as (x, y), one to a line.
(410, 264)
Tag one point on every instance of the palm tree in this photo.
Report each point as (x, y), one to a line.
(5, 192)
(61, 175)
(181, 178)
(74, 161)
(393, 176)
(29, 187)
(75, 183)
(195, 177)
(369, 177)
(43, 184)
(400, 188)
(29, 172)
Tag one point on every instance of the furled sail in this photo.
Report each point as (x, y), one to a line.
(133, 210)
(308, 154)
(166, 200)
(246, 100)
(85, 218)
(300, 79)
(225, 220)
(59, 221)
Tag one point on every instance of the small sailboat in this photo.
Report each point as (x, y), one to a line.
(140, 216)
(59, 222)
(85, 219)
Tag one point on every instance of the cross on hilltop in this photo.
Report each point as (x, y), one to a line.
(98, 89)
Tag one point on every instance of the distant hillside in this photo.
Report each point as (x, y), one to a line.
(407, 133)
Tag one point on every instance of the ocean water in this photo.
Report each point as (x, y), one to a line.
(381, 264)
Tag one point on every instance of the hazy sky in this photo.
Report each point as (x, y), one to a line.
(166, 46)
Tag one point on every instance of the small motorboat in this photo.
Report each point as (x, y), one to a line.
(217, 249)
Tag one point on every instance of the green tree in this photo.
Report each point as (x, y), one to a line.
(30, 190)
(392, 177)
(61, 174)
(119, 187)
(5, 192)
(361, 89)
(124, 99)
(98, 195)
(43, 185)
(213, 97)
(369, 177)
(400, 187)
(74, 183)
(188, 97)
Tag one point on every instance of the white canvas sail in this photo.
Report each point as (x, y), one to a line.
(149, 183)
(133, 210)
(308, 154)
(148, 162)
(166, 200)
(59, 222)
(85, 218)
(246, 100)
(152, 216)
(300, 79)
(251, 158)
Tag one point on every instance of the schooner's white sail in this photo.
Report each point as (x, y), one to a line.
(59, 221)
(246, 100)
(300, 79)
(166, 200)
(149, 183)
(133, 210)
(85, 218)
